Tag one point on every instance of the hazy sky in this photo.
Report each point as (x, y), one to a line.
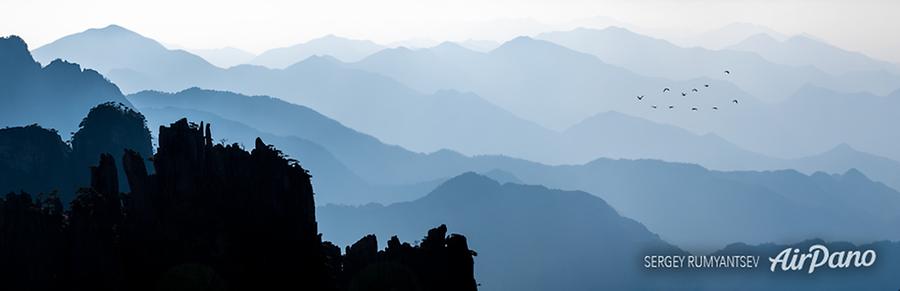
(869, 26)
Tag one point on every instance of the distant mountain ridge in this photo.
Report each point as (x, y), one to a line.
(727, 35)
(224, 57)
(566, 233)
(764, 78)
(348, 50)
(803, 50)
(585, 228)
(122, 54)
(623, 183)
(505, 77)
(733, 129)
(727, 203)
(609, 134)
(683, 203)
(838, 159)
(538, 80)
(55, 96)
(815, 120)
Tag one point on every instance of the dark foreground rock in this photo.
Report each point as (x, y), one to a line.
(206, 216)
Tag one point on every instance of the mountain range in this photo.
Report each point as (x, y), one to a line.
(344, 49)
(727, 35)
(122, 56)
(551, 85)
(814, 120)
(802, 50)
(572, 232)
(683, 203)
(224, 57)
(770, 77)
(596, 133)
(683, 188)
(527, 237)
(745, 206)
(56, 96)
(573, 87)
(608, 134)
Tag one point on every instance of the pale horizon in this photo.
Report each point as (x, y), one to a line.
(862, 26)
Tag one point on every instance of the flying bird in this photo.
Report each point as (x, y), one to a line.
(654, 106)
(727, 72)
(715, 107)
(671, 106)
(694, 109)
(735, 101)
(641, 97)
(695, 90)
(683, 94)
(706, 85)
(666, 90)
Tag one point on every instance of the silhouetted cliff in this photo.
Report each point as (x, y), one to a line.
(109, 128)
(36, 160)
(438, 263)
(208, 216)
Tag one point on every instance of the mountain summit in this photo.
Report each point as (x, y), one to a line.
(56, 96)
(344, 49)
(125, 56)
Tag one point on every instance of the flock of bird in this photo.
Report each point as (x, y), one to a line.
(684, 94)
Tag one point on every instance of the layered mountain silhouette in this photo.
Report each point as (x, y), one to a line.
(504, 77)
(367, 157)
(617, 135)
(802, 50)
(581, 229)
(815, 120)
(837, 159)
(334, 181)
(686, 203)
(225, 57)
(537, 80)
(394, 113)
(651, 140)
(609, 134)
(239, 214)
(580, 81)
(479, 45)
(628, 185)
(564, 240)
(348, 50)
(728, 35)
(364, 154)
(207, 217)
(128, 58)
(56, 96)
(760, 77)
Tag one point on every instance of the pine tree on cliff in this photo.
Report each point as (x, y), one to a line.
(109, 128)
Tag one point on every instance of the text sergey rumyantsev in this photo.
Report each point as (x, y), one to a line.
(789, 259)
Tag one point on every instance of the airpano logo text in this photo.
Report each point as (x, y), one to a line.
(818, 256)
(791, 259)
